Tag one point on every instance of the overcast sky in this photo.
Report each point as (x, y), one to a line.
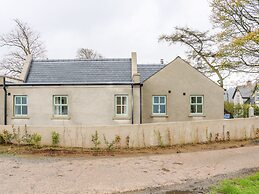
(112, 27)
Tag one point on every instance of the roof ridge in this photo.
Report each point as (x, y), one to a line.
(152, 64)
(68, 60)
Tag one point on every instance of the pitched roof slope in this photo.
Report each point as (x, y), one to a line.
(245, 90)
(147, 70)
(80, 71)
(87, 71)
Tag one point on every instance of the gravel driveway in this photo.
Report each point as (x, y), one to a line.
(20, 174)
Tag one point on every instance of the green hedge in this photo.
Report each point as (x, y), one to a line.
(240, 111)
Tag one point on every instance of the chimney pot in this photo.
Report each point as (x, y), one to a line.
(249, 83)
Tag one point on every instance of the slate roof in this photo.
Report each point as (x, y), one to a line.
(80, 71)
(87, 71)
(228, 94)
(147, 70)
(246, 90)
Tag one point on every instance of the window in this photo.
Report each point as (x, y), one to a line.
(257, 97)
(121, 105)
(20, 106)
(196, 104)
(60, 105)
(159, 105)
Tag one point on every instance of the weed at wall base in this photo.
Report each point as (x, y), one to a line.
(127, 141)
(35, 140)
(169, 137)
(96, 141)
(6, 137)
(228, 136)
(117, 141)
(55, 138)
(16, 136)
(109, 145)
(159, 138)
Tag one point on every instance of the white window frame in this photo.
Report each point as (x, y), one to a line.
(196, 104)
(121, 105)
(60, 105)
(20, 105)
(159, 104)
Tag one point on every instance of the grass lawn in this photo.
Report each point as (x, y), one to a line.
(247, 185)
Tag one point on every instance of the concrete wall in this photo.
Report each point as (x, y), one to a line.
(151, 134)
(87, 105)
(182, 80)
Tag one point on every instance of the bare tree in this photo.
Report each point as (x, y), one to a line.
(85, 53)
(202, 49)
(22, 41)
(238, 21)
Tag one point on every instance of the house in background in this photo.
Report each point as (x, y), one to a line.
(228, 94)
(246, 94)
(107, 92)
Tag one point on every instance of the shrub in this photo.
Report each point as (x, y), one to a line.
(55, 138)
(35, 140)
(256, 110)
(6, 137)
(229, 107)
(1, 139)
(240, 111)
(96, 141)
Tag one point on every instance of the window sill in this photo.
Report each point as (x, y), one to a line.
(60, 118)
(197, 115)
(121, 118)
(20, 117)
(154, 115)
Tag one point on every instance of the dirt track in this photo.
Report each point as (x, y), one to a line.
(106, 175)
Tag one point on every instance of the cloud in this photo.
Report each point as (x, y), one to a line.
(114, 28)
